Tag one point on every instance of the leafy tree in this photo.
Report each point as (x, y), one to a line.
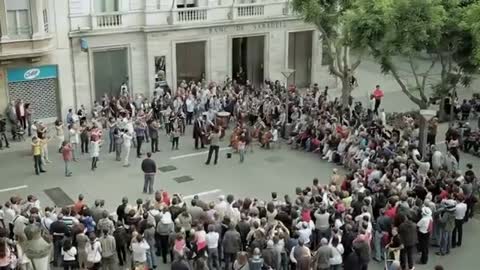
(406, 28)
(409, 29)
(396, 30)
(471, 22)
(328, 17)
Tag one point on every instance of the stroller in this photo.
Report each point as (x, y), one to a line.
(391, 255)
(18, 133)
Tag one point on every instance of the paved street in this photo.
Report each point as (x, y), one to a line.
(263, 171)
(369, 74)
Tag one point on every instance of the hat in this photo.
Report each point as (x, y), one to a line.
(449, 205)
(426, 212)
(269, 244)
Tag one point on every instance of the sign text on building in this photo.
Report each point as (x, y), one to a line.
(247, 27)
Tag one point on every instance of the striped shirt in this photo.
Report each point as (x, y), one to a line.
(69, 221)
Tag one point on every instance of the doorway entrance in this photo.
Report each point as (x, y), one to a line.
(110, 71)
(248, 59)
(300, 57)
(190, 57)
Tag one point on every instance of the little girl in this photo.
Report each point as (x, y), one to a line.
(241, 148)
(179, 245)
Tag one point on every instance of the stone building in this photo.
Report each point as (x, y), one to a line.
(83, 49)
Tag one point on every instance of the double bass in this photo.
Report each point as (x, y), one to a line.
(235, 137)
(266, 138)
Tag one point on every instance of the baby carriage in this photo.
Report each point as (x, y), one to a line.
(391, 255)
(18, 133)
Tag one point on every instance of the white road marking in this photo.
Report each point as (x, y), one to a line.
(204, 193)
(196, 154)
(13, 188)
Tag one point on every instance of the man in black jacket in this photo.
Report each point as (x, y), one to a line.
(149, 169)
(408, 234)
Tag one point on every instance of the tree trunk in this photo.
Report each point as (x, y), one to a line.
(346, 92)
(422, 143)
(423, 132)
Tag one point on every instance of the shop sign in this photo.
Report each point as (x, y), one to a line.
(31, 73)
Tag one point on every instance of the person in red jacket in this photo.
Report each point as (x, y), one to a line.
(377, 95)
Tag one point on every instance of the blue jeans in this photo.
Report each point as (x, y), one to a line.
(57, 249)
(67, 168)
(148, 183)
(445, 241)
(151, 259)
(242, 155)
(112, 145)
(378, 248)
(213, 259)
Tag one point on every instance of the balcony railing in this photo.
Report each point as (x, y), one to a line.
(250, 10)
(109, 20)
(157, 16)
(191, 15)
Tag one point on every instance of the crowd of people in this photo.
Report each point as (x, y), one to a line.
(388, 202)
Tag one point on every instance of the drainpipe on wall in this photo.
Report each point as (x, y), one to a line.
(72, 63)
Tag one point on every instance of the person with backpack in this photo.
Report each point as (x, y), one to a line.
(69, 254)
(108, 250)
(94, 252)
(121, 242)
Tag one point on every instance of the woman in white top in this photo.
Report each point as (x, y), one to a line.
(139, 250)
(68, 254)
(74, 138)
(59, 133)
(95, 152)
(94, 252)
(127, 144)
(337, 252)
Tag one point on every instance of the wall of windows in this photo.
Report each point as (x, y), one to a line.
(19, 23)
(106, 6)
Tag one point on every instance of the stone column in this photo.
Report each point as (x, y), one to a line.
(91, 13)
(3, 21)
(36, 9)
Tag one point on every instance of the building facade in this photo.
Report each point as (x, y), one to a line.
(35, 56)
(73, 52)
(142, 42)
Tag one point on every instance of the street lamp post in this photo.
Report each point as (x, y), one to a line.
(427, 115)
(287, 73)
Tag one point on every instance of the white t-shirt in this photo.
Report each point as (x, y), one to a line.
(274, 135)
(190, 105)
(69, 255)
(139, 251)
(8, 215)
(424, 224)
(212, 239)
(94, 252)
(460, 210)
(337, 253)
(74, 138)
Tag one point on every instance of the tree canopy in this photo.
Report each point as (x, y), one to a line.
(328, 16)
(471, 22)
(412, 28)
